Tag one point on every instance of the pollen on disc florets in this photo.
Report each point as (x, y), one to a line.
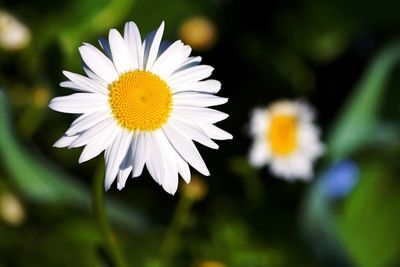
(282, 134)
(140, 100)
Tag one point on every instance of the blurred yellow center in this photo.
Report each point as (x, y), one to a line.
(282, 134)
(140, 100)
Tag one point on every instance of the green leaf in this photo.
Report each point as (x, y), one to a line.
(92, 20)
(41, 181)
(30, 174)
(370, 219)
(360, 114)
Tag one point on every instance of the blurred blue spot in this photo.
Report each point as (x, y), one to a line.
(339, 180)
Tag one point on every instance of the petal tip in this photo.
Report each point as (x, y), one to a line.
(51, 105)
(224, 100)
(65, 72)
(106, 187)
(206, 172)
(82, 159)
(120, 186)
(112, 32)
(57, 145)
(171, 192)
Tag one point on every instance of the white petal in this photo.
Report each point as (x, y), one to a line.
(170, 153)
(308, 139)
(214, 132)
(65, 141)
(172, 161)
(183, 168)
(86, 121)
(188, 63)
(92, 133)
(191, 60)
(114, 156)
(72, 85)
(279, 167)
(85, 84)
(151, 46)
(134, 43)
(199, 114)
(90, 74)
(198, 99)
(259, 155)
(160, 64)
(192, 131)
(259, 122)
(302, 167)
(120, 53)
(173, 57)
(125, 168)
(140, 154)
(98, 63)
(146, 48)
(176, 60)
(207, 86)
(79, 103)
(186, 149)
(190, 75)
(123, 175)
(98, 144)
(171, 179)
(81, 117)
(105, 45)
(163, 46)
(292, 168)
(155, 163)
(305, 111)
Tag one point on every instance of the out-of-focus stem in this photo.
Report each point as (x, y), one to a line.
(178, 224)
(99, 209)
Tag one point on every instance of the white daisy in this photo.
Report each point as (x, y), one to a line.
(286, 138)
(143, 103)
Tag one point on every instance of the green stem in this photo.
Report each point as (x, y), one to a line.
(99, 209)
(178, 224)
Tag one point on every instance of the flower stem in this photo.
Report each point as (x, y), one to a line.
(99, 209)
(178, 224)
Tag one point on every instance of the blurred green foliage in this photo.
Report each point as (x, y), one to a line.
(369, 227)
(340, 56)
(359, 120)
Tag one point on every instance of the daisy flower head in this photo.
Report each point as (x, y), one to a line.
(286, 138)
(143, 103)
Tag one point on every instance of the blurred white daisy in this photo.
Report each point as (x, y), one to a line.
(286, 138)
(14, 35)
(143, 103)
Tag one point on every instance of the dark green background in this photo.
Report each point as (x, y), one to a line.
(341, 56)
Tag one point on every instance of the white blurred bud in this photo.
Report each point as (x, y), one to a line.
(198, 32)
(11, 209)
(13, 34)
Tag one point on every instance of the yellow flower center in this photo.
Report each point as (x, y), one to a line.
(282, 134)
(140, 100)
